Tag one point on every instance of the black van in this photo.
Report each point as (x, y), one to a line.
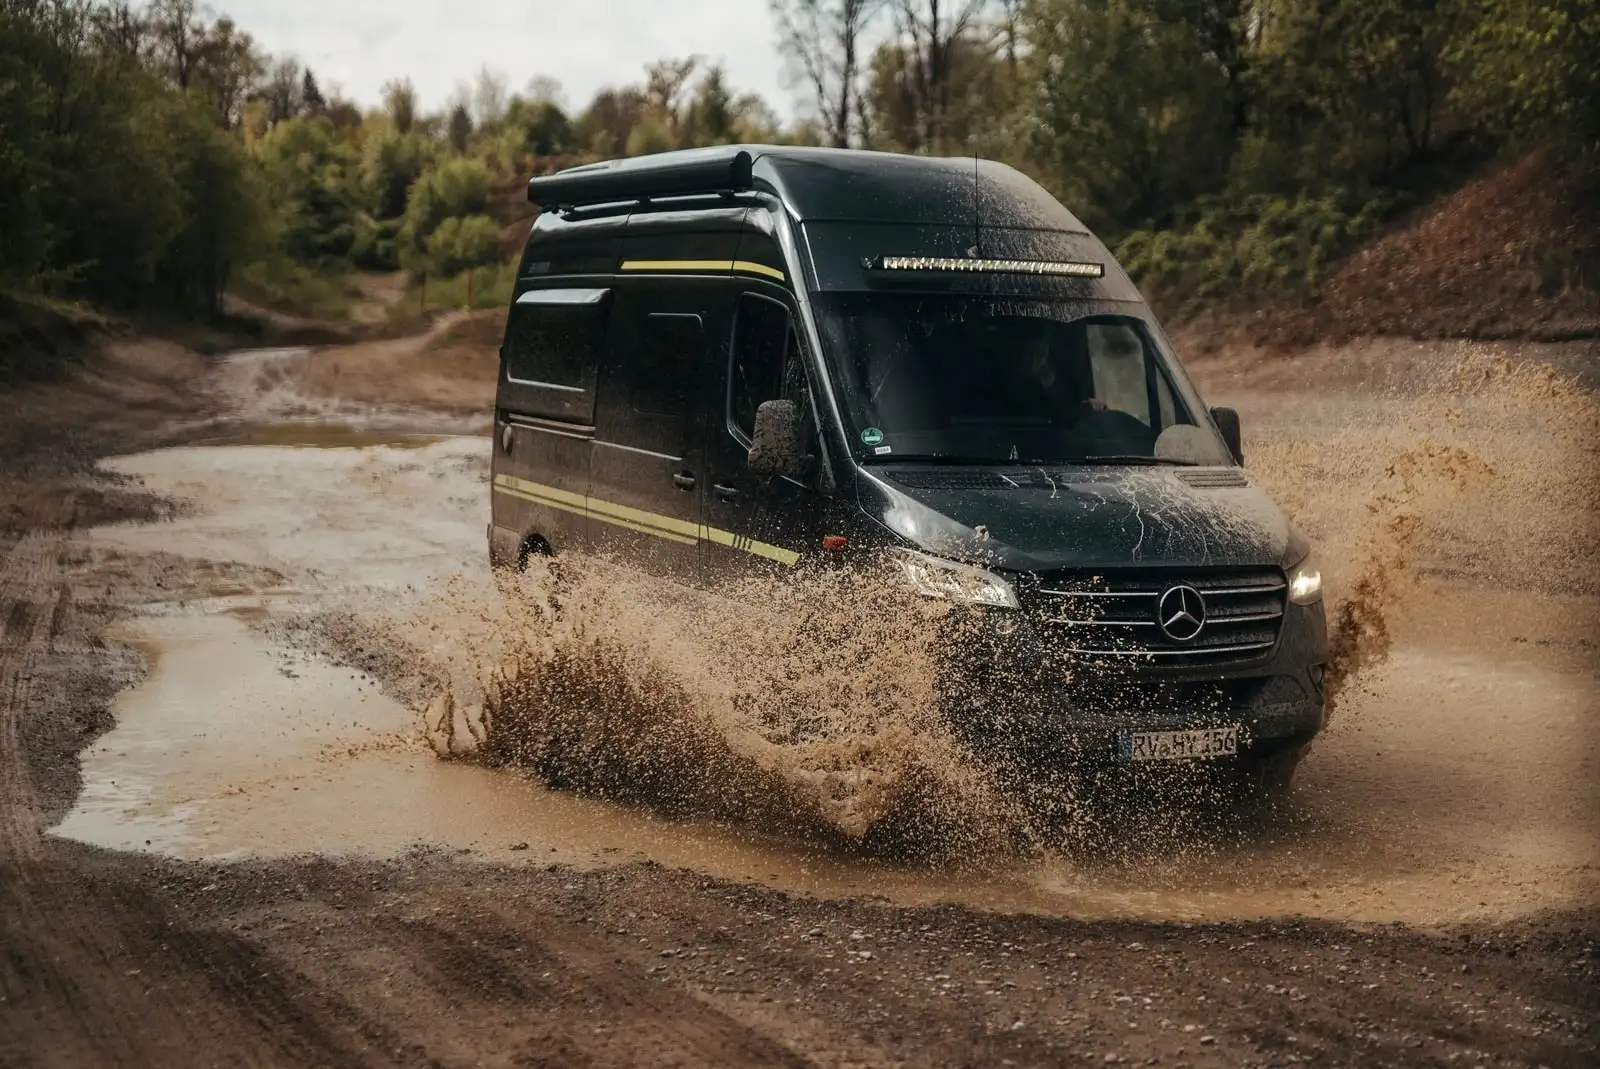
(727, 359)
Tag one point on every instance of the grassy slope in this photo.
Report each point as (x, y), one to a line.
(1513, 254)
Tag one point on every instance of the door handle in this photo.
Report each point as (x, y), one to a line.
(727, 493)
(683, 482)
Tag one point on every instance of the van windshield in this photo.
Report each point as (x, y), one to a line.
(980, 380)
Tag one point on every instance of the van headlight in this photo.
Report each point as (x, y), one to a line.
(1305, 582)
(937, 578)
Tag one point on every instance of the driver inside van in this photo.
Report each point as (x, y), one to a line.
(1065, 395)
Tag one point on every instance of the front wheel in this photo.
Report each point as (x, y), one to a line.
(1267, 779)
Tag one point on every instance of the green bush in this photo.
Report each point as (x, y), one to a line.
(308, 168)
(456, 188)
(462, 244)
(391, 163)
(377, 244)
(282, 284)
(491, 288)
(1250, 247)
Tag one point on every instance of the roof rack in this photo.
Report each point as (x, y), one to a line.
(723, 169)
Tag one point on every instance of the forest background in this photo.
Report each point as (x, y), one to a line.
(1409, 166)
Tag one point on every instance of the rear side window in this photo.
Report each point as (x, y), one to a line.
(552, 350)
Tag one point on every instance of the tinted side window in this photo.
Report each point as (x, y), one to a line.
(553, 339)
(762, 346)
(1123, 375)
(662, 370)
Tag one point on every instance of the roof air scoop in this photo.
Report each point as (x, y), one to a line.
(723, 169)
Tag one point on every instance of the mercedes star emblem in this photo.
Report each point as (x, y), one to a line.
(1182, 614)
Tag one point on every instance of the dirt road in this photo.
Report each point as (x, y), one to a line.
(225, 838)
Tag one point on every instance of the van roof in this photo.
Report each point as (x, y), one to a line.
(823, 184)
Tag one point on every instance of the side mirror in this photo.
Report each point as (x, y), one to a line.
(1227, 421)
(775, 446)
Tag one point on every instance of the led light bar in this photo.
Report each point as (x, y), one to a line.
(987, 267)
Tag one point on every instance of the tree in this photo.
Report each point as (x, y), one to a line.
(282, 91)
(1128, 123)
(308, 169)
(931, 32)
(121, 30)
(311, 94)
(978, 107)
(1531, 68)
(822, 40)
(458, 128)
(711, 116)
(178, 32)
(228, 69)
(400, 100)
(664, 83)
(543, 89)
(607, 123)
(456, 188)
(489, 97)
(391, 164)
(543, 127)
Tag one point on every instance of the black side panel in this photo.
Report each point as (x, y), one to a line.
(676, 242)
(555, 328)
(758, 524)
(560, 247)
(760, 252)
(647, 468)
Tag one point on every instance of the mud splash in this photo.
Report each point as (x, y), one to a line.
(802, 706)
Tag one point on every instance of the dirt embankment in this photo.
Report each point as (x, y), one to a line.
(1513, 255)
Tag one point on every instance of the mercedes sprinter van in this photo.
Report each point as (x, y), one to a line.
(720, 361)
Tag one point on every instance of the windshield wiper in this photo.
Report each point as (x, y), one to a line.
(1136, 458)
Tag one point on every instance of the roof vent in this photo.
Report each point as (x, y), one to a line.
(1214, 478)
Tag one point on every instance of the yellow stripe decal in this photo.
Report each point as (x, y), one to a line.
(746, 266)
(673, 530)
(751, 268)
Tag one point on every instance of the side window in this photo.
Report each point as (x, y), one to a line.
(764, 348)
(552, 344)
(1117, 360)
(664, 367)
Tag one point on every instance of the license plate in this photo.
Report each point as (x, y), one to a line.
(1180, 745)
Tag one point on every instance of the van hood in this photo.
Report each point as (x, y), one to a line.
(1044, 519)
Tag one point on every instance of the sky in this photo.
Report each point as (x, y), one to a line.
(357, 45)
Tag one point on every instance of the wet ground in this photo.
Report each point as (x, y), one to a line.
(242, 682)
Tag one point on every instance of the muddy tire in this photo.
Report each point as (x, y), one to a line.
(1267, 779)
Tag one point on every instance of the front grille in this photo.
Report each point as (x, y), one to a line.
(1112, 616)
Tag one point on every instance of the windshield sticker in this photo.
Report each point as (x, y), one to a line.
(882, 449)
(871, 436)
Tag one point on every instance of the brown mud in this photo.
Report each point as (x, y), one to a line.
(225, 837)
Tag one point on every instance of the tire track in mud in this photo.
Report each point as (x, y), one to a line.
(98, 969)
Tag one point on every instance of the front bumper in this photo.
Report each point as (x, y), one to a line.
(1008, 691)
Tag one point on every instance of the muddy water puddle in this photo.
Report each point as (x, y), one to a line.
(1458, 778)
(233, 747)
(316, 434)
